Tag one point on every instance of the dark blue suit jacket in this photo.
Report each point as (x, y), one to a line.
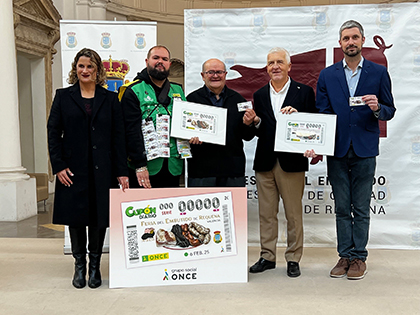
(357, 124)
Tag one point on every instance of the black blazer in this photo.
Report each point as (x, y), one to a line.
(299, 96)
(213, 160)
(93, 149)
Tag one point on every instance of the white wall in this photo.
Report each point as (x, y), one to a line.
(39, 115)
(25, 112)
(32, 113)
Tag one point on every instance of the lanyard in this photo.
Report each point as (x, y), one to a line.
(156, 106)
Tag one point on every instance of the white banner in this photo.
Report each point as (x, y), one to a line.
(123, 47)
(242, 38)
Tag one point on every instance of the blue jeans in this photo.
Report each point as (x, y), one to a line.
(351, 178)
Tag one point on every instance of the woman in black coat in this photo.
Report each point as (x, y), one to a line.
(87, 153)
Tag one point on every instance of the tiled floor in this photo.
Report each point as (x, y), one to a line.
(38, 226)
(35, 278)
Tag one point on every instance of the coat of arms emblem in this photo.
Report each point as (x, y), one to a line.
(106, 40)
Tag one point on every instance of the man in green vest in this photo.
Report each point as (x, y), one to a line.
(153, 157)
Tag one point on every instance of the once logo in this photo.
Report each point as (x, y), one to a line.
(154, 257)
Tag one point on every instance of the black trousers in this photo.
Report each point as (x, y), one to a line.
(78, 239)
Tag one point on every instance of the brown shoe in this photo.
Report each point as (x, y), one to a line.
(357, 270)
(341, 268)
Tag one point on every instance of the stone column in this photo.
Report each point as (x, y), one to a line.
(97, 10)
(17, 190)
(91, 10)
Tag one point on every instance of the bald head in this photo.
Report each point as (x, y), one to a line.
(210, 61)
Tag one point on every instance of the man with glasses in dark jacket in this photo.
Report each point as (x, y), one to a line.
(214, 165)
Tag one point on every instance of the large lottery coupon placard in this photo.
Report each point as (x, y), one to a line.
(299, 132)
(179, 229)
(206, 122)
(176, 236)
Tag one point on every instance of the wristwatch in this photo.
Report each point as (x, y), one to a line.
(141, 169)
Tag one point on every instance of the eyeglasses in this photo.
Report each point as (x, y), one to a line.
(212, 72)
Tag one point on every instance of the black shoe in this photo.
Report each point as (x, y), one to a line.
(293, 269)
(262, 265)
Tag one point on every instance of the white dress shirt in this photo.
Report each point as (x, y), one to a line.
(277, 98)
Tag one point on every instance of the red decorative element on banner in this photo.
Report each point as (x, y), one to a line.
(317, 159)
(305, 69)
(252, 79)
(307, 66)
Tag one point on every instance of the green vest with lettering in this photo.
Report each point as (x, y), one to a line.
(147, 98)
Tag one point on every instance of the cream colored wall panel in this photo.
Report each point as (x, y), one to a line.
(172, 36)
(113, 16)
(174, 7)
(204, 5)
(151, 5)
